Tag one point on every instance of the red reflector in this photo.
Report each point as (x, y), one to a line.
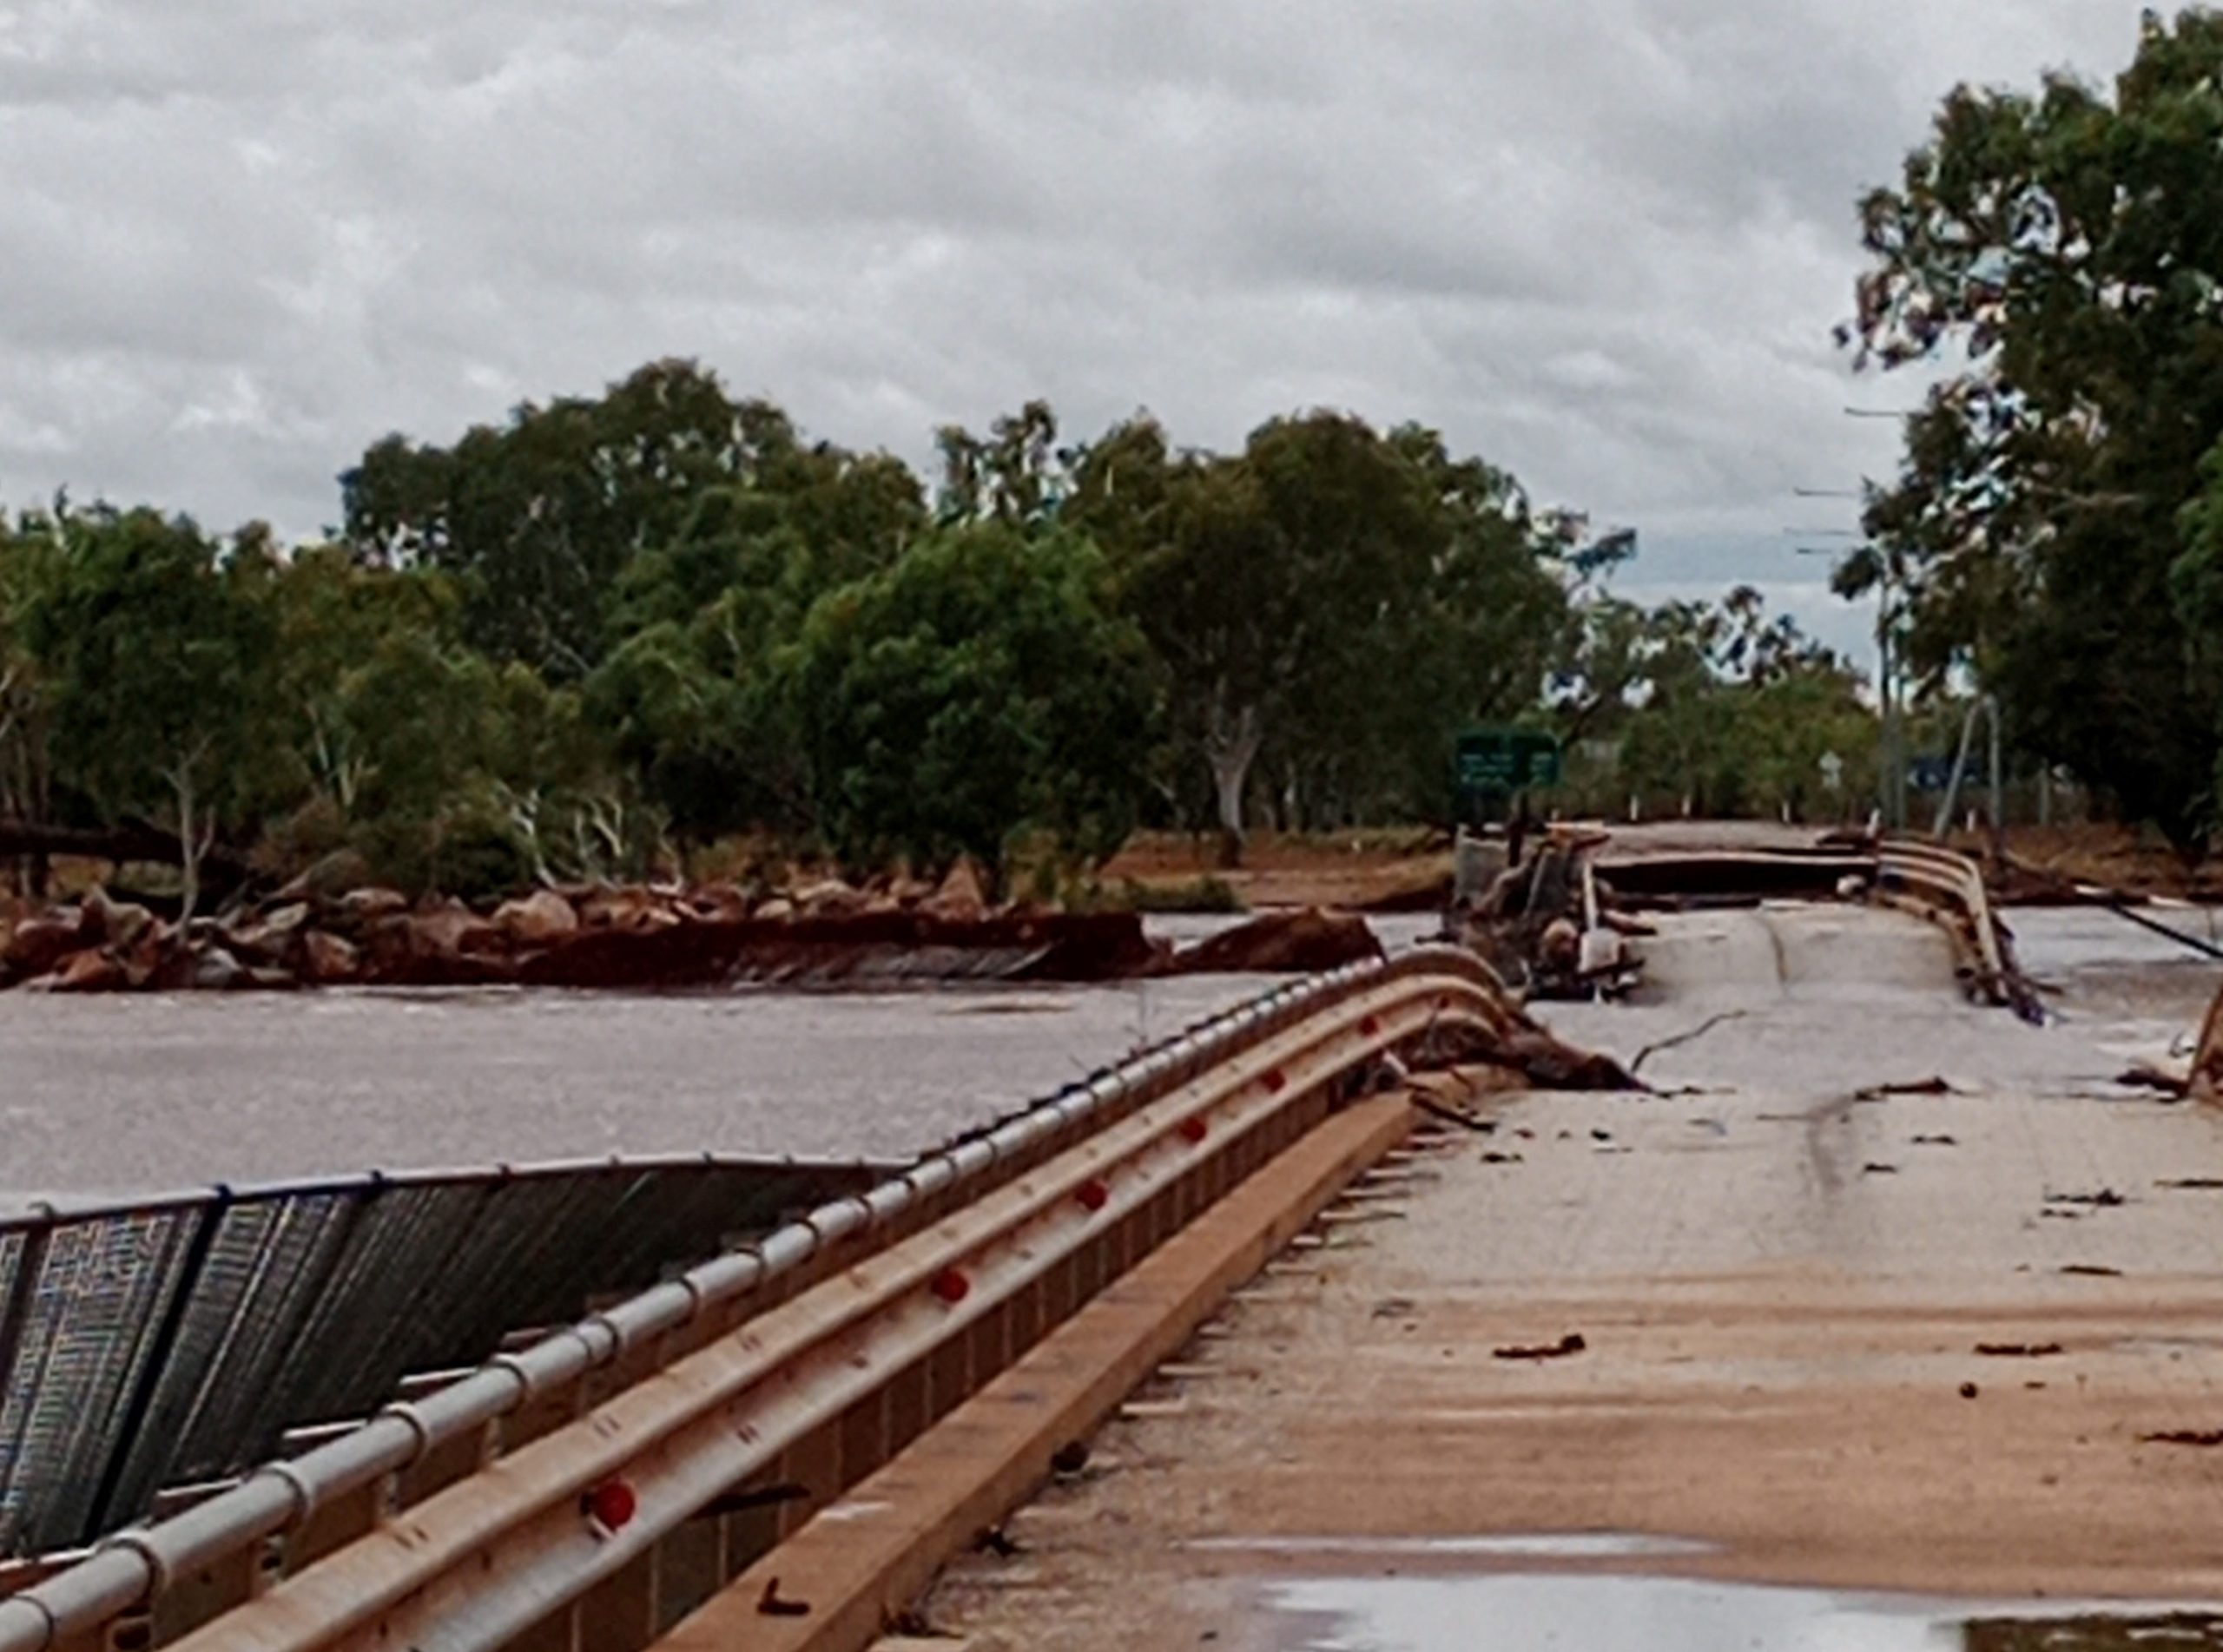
(1193, 1129)
(951, 1286)
(1275, 1081)
(1094, 1195)
(612, 1505)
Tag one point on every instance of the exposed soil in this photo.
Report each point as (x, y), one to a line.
(1369, 872)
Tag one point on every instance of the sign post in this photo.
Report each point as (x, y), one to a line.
(1497, 764)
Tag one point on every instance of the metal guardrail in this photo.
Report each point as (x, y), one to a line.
(172, 1340)
(712, 1377)
(1948, 888)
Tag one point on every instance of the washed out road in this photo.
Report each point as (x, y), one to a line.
(1883, 1291)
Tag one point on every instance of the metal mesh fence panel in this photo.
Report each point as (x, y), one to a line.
(176, 1342)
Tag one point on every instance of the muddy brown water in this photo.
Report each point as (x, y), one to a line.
(131, 1094)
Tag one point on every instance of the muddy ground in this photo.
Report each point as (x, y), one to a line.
(1371, 868)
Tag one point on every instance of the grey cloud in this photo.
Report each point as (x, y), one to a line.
(1601, 244)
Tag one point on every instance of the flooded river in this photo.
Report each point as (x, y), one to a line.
(169, 1091)
(131, 1094)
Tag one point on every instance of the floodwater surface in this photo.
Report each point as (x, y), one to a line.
(131, 1093)
(1559, 1611)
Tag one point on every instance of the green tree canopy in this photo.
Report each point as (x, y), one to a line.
(2069, 241)
(980, 688)
(155, 648)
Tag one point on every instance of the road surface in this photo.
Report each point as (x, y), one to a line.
(1884, 1292)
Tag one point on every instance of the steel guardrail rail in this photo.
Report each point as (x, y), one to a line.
(1939, 876)
(126, 1571)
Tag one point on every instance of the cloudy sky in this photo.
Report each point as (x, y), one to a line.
(1600, 243)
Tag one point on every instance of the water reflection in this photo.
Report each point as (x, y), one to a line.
(1584, 1612)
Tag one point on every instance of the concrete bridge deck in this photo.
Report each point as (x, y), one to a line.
(1831, 1333)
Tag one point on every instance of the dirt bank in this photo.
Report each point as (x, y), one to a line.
(1406, 869)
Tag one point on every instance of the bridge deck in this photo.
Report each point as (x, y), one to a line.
(1781, 1288)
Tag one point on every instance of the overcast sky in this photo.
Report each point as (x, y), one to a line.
(1600, 243)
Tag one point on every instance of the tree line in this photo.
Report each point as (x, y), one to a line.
(2055, 533)
(608, 632)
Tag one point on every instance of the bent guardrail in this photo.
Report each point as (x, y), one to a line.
(1948, 888)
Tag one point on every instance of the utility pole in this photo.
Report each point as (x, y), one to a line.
(1892, 763)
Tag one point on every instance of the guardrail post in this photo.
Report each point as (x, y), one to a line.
(444, 1465)
(339, 1522)
(689, 1570)
(909, 1406)
(815, 1463)
(619, 1615)
(192, 1599)
(864, 1438)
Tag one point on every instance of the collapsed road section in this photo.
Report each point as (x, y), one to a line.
(1872, 1289)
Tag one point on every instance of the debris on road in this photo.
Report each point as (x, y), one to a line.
(2202, 1436)
(1934, 1141)
(769, 1603)
(1874, 1168)
(2105, 1199)
(2090, 1270)
(1698, 1031)
(1569, 1344)
(1933, 1085)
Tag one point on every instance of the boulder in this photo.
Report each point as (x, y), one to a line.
(541, 918)
(38, 944)
(90, 970)
(962, 898)
(368, 906)
(630, 908)
(326, 959)
(451, 928)
(272, 937)
(829, 897)
(721, 903)
(906, 891)
(120, 924)
(213, 969)
(1305, 941)
(778, 910)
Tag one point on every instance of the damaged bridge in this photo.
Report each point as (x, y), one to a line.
(1807, 1260)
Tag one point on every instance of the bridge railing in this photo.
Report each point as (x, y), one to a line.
(717, 1379)
(173, 1341)
(1949, 887)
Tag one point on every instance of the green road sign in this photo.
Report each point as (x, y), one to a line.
(1506, 760)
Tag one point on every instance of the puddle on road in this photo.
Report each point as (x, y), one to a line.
(1540, 1546)
(1587, 1612)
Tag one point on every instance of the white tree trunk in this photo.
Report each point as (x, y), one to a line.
(1230, 746)
(188, 844)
